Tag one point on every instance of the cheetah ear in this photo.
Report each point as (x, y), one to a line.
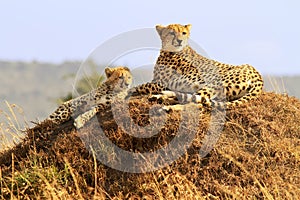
(108, 71)
(159, 28)
(127, 69)
(188, 26)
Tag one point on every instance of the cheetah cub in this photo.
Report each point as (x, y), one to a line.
(86, 106)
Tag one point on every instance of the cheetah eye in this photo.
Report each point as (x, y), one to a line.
(172, 32)
(183, 33)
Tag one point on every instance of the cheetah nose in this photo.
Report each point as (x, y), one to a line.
(179, 41)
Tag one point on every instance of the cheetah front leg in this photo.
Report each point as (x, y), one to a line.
(164, 95)
(82, 119)
(205, 97)
(191, 107)
(182, 98)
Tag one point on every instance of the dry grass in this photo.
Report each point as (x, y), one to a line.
(256, 157)
(10, 133)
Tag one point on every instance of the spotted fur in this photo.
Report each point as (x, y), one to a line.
(86, 106)
(180, 71)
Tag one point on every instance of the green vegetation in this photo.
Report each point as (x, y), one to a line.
(86, 83)
(256, 157)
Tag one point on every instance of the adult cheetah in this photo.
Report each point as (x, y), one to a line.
(180, 71)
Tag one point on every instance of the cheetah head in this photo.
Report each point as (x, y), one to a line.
(174, 37)
(120, 77)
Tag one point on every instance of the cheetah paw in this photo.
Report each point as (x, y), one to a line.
(155, 97)
(78, 123)
(173, 108)
(160, 98)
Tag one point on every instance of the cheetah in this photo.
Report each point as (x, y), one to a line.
(183, 73)
(86, 106)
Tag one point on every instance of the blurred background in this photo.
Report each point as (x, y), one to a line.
(43, 43)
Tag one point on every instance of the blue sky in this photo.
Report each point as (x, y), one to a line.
(265, 34)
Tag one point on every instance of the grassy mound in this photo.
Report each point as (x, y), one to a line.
(256, 156)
